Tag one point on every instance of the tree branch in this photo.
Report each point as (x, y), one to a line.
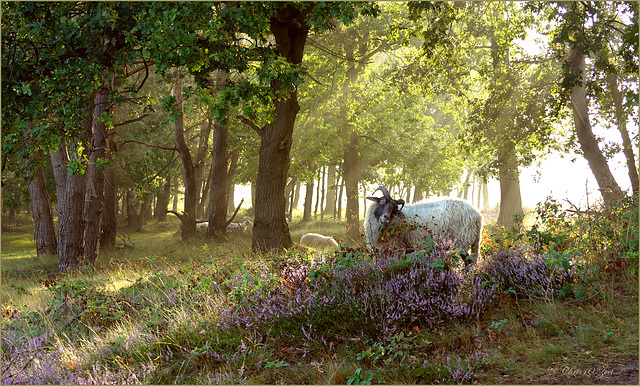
(146, 144)
(173, 158)
(131, 120)
(234, 213)
(250, 123)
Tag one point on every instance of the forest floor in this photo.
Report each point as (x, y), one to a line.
(148, 311)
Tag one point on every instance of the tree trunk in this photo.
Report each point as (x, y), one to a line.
(270, 228)
(95, 178)
(351, 175)
(233, 168)
(339, 204)
(417, 195)
(308, 200)
(253, 195)
(109, 222)
(190, 191)
(218, 200)
(205, 196)
(219, 175)
(621, 122)
(510, 198)
(296, 196)
(71, 190)
(231, 199)
(324, 181)
(199, 167)
(44, 232)
(330, 207)
(143, 213)
(131, 215)
(597, 162)
(291, 193)
(288, 194)
(485, 195)
(162, 203)
(318, 187)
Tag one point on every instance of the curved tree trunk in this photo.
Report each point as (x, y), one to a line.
(270, 228)
(621, 122)
(609, 188)
(190, 192)
(95, 178)
(44, 232)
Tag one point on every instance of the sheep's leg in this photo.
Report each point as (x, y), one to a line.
(475, 251)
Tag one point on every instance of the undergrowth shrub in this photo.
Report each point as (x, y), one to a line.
(529, 274)
(349, 296)
(37, 361)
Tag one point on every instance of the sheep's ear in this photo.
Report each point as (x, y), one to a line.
(400, 202)
(376, 199)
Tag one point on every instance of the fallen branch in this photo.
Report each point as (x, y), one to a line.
(234, 213)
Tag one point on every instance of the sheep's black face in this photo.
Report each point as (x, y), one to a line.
(387, 208)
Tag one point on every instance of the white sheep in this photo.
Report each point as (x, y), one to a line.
(453, 218)
(202, 227)
(243, 226)
(318, 241)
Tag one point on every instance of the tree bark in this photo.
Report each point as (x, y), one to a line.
(621, 122)
(485, 195)
(308, 200)
(218, 178)
(162, 204)
(44, 232)
(330, 207)
(205, 197)
(188, 170)
(109, 224)
(510, 198)
(318, 188)
(296, 195)
(233, 168)
(199, 167)
(219, 188)
(71, 190)
(339, 202)
(351, 175)
(95, 178)
(270, 228)
(607, 184)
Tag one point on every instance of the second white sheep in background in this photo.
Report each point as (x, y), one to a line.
(450, 217)
(240, 226)
(318, 241)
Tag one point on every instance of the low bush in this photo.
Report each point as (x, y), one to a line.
(529, 274)
(347, 296)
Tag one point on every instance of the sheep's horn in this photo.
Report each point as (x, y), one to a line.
(384, 191)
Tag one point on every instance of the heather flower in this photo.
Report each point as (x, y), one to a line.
(529, 274)
(35, 361)
(375, 298)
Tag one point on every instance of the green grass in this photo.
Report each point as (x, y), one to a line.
(162, 298)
